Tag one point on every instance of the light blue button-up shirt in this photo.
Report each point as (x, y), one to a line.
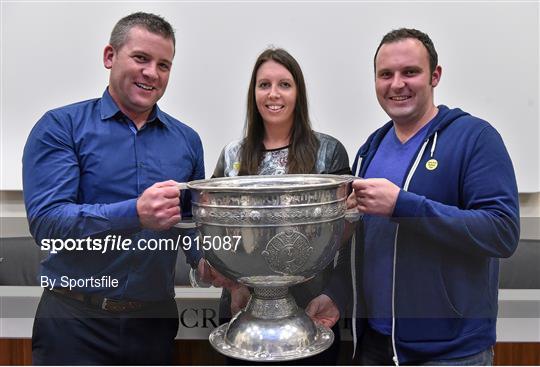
(84, 166)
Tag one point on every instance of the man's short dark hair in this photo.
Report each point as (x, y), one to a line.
(151, 22)
(404, 33)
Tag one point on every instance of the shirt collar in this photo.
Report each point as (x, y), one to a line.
(110, 109)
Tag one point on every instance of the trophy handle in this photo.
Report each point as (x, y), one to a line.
(187, 223)
(182, 186)
(353, 215)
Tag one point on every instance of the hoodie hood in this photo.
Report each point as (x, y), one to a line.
(444, 118)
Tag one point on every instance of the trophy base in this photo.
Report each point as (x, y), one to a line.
(324, 339)
(271, 330)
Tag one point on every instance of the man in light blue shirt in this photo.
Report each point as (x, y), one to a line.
(100, 183)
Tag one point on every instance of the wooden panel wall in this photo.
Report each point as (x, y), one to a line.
(517, 354)
(15, 352)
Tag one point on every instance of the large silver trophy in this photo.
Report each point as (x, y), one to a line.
(270, 233)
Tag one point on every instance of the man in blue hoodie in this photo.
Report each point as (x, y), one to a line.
(440, 205)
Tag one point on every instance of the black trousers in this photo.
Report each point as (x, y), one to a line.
(69, 332)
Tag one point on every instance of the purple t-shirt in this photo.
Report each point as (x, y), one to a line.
(391, 161)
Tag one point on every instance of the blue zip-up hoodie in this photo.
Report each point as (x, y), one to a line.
(456, 216)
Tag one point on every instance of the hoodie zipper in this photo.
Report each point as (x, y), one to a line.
(353, 272)
(405, 188)
(353, 246)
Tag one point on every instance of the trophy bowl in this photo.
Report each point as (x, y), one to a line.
(270, 233)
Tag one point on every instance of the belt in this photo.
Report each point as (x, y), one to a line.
(104, 303)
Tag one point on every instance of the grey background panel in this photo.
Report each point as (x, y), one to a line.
(20, 257)
(522, 269)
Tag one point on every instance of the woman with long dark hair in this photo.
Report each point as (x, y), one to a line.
(278, 139)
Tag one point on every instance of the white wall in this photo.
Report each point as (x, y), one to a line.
(51, 56)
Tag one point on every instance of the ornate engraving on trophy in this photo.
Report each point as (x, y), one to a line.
(290, 227)
(287, 252)
(271, 216)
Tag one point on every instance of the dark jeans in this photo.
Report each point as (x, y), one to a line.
(69, 332)
(376, 350)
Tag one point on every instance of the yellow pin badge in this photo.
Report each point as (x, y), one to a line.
(432, 164)
(236, 165)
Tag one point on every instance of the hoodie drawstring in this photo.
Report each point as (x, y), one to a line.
(353, 273)
(433, 145)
